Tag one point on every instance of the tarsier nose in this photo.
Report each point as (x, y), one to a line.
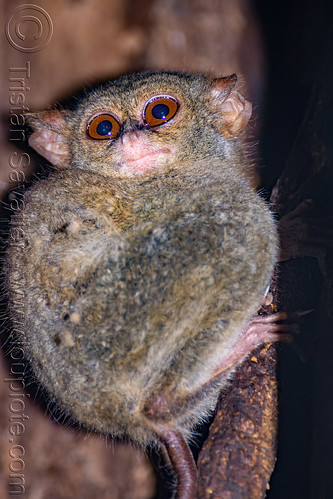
(129, 136)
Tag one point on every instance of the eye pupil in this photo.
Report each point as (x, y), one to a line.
(104, 127)
(160, 111)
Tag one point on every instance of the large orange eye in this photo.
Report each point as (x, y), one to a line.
(159, 110)
(103, 127)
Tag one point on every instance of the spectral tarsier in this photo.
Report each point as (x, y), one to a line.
(143, 258)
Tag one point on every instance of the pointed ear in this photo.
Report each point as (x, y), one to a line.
(50, 136)
(232, 108)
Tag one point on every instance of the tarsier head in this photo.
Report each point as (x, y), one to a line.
(136, 124)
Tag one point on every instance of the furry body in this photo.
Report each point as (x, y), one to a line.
(137, 284)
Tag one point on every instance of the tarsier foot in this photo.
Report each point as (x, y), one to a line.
(261, 329)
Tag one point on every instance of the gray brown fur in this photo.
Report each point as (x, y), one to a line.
(137, 287)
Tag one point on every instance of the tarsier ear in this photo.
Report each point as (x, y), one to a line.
(230, 105)
(49, 137)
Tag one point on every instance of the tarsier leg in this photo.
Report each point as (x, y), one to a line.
(182, 462)
(260, 330)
